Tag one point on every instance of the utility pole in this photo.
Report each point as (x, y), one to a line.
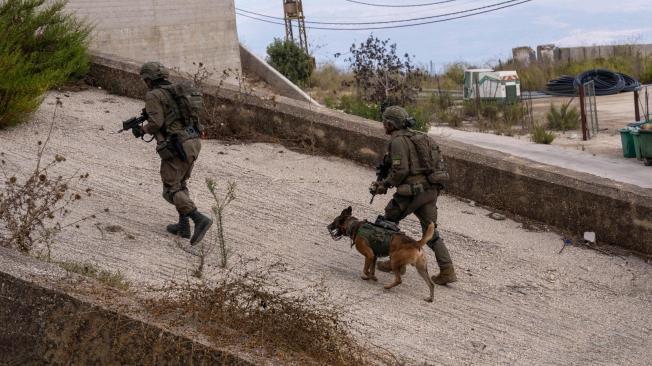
(293, 10)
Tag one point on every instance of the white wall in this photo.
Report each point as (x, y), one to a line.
(176, 33)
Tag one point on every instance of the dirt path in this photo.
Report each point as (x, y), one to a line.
(518, 301)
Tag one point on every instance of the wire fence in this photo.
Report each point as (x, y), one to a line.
(591, 109)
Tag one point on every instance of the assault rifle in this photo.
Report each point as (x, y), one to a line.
(134, 122)
(382, 171)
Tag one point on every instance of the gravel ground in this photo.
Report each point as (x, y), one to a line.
(517, 302)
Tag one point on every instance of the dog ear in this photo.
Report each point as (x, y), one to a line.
(347, 211)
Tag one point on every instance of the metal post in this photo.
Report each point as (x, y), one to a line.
(583, 113)
(477, 98)
(647, 106)
(595, 110)
(637, 111)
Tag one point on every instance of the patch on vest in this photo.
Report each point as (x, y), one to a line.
(396, 161)
(377, 237)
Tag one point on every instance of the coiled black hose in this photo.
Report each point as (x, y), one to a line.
(563, 86)
(606, 83)
(631, 84)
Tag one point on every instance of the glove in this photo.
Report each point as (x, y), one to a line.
(377, 188)
(138, 131)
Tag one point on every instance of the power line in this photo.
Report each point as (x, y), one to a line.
(391, 21)
(401, 25)
(408, 12)
(400, 6)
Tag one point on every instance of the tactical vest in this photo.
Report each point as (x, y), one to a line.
(377, 237)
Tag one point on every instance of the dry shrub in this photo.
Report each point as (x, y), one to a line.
(32, 208)
(218, 211)
(222, 117)
(251, 309)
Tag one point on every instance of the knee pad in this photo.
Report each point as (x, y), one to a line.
(169, 195)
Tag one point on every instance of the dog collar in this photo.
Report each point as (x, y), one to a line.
(352, 229)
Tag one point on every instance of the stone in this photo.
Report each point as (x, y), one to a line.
(497, 216)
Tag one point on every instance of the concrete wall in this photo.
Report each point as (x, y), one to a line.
(524, 55)
(589, 53)
(254, 65)
(546, 52)
(620, 214)
(177, 33)
(49, 317)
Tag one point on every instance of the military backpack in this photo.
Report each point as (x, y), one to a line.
(430, 160)
(189, 102)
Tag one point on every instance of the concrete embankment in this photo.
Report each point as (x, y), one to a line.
(50, 317)
(620, 214)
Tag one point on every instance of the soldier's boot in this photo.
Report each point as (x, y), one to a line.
(384, 266)
(182, 228)
(446, 268)
(446, 275)
(202, 224)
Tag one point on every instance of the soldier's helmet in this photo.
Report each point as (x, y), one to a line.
(396, 116)
(154, 71)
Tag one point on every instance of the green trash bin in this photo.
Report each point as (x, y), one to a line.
(636, 136)
(628, 143)
(645, 145)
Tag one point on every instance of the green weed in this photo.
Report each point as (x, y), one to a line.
(541, 136)
(563, 119)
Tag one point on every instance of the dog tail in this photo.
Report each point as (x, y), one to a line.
(428, 235)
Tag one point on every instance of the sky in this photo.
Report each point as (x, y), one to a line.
(480, 40)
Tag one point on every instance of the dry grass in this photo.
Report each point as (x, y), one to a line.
(111, 279)
(251, 309)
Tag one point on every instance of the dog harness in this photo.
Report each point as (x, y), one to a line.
(378, 238)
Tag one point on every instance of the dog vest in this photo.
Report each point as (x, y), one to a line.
(377, 237)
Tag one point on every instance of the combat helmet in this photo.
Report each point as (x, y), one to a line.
(154, 71)
(396, 116)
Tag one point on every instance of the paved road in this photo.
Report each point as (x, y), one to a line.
(618, 169)
(518, 301)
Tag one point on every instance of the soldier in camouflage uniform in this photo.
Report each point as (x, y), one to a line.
(165, 124)
(417, 186)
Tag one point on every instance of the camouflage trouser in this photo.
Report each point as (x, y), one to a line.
(175, 174)
(426, 213)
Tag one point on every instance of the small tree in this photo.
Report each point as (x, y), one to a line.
(381, 75)
(290, 60)
(40, 47)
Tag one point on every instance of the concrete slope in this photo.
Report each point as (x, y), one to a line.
(622, 170)
(518, 301)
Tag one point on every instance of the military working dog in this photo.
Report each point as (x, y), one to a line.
(402, 250)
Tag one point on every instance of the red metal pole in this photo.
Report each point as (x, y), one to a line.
(637, 111)
(583, 113)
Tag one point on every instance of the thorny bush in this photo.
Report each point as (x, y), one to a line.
(251, 308)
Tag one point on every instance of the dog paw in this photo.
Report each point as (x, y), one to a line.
(373, 278)
(366, 278)
(428, 299)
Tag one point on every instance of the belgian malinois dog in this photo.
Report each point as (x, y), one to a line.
(403, 250)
